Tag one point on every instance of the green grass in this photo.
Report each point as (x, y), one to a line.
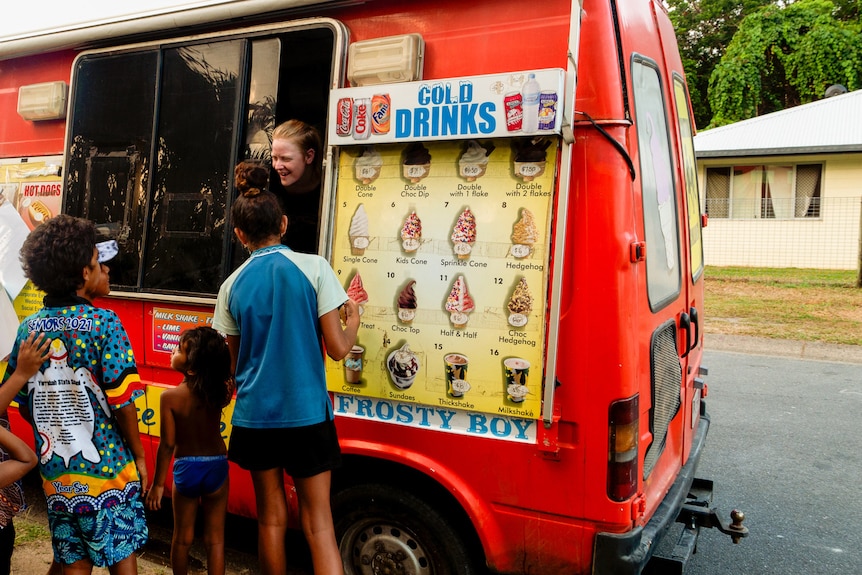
(786, 277)
(27, 530)
(801, 304)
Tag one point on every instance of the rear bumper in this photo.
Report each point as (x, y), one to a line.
(628, 553)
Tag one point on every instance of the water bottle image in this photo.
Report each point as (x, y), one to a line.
(530, 95)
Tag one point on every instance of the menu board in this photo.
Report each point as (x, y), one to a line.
(445, 247)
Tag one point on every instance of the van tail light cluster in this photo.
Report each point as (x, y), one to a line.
(623, 449)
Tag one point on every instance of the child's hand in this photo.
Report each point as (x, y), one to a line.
(154, 497)
(350, 312)
(32, 353)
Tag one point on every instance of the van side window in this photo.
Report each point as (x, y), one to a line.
(689, 165)
(155, 133)
(657, 186)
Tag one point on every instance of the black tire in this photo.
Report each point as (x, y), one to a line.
(384, 530)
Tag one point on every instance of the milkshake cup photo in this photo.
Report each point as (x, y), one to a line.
(353, 365)
(456, 375)
(517, 372)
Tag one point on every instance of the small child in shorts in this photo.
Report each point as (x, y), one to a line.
(191, 433)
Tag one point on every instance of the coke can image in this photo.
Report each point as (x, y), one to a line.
(344, 121)
(547, 110)
(361, 118)
(380, 109)
(513, 105)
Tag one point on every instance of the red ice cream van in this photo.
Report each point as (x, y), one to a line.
(509, 192)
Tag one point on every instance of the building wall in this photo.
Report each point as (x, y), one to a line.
(829, 242)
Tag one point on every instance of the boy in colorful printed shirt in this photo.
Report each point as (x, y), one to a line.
(81, 403)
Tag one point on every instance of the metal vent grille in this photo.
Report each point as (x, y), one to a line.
(666, 382)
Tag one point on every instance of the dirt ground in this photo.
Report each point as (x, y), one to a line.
(32, 555)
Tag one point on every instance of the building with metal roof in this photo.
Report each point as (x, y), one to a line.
(785, 189)
(825, 126)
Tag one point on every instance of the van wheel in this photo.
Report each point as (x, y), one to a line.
(384, 530)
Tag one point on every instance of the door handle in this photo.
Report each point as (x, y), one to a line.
(695, 320)
(685, 325)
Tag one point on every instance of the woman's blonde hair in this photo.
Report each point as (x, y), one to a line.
(305, 137)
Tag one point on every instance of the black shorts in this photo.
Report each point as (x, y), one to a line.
(300, 451)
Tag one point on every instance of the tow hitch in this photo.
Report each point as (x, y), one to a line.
(694, 514)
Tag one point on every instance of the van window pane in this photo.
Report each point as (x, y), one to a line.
(262, 96)
(109, 146)
(197, 117)
(659, 195)
(689, 164)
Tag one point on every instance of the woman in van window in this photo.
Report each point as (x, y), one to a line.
(297, 161)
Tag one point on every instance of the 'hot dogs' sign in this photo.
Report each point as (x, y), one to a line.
(497, 105)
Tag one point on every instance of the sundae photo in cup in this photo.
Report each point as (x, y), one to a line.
(403, 365)
(517, 372)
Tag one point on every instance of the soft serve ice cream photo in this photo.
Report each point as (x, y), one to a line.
(459, 304)
(407, 303)
(368, 165)
(473, 163)
(530, 157)
(524, 235)
(417, 162)
(464, 234)
(359, 231)
(411, 233)
(520, 304)
(357, 292)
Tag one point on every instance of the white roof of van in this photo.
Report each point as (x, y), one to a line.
(828, 125)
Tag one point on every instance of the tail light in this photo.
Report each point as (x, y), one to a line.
(623, 449)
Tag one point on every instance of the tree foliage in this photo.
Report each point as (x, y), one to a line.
(704, 28)
(782, 56)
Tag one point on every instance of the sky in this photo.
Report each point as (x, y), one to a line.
(25, 16)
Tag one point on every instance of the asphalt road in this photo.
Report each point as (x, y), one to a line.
(785, 448)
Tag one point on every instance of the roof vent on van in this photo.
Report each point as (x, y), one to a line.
(45, 101)
(386, 60)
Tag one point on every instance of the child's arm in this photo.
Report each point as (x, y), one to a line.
(233, 348)
(339, 340)
(127, 424)
(167, 443)
(32, 353)
(22, 459)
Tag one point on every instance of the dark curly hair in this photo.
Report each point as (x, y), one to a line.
(208, 366)
(55, 254)
(256, 211)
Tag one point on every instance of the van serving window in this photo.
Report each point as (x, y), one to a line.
(155, 133)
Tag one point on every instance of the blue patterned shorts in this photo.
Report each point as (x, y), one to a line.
(104, 537)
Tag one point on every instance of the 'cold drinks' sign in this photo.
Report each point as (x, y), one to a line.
(496, 105)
